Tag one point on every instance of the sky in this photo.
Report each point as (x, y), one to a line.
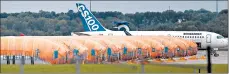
(121, 6)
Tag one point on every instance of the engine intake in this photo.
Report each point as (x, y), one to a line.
(122, 26)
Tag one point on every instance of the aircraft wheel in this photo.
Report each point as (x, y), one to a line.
(212, 53)
(216, 55)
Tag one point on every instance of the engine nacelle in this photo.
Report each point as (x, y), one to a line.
(122, 26)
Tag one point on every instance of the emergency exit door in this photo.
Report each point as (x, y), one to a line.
(208, 37)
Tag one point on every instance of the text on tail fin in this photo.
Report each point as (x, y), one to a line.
(90, 23)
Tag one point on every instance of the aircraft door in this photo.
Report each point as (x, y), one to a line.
(208, 37)
(198, 44)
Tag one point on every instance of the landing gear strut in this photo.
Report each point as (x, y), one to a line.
(213, 52)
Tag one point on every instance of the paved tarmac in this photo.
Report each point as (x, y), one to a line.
(221, 59)
(27, 61)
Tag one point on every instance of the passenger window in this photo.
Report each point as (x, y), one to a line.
(101, 34)
(110, 34)
(202, 36)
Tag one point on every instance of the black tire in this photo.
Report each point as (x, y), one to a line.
(216, 55)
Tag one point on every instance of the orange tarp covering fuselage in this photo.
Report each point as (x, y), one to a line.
(151, 46)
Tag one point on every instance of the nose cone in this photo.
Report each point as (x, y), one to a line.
(225, 42)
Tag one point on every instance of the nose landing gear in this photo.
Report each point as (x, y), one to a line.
(213, 52)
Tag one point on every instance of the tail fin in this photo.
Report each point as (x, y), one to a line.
(90, 23)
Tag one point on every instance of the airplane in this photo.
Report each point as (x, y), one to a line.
(202, 38)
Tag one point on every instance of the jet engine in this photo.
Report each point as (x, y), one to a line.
(122, 26)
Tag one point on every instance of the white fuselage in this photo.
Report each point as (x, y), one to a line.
(202, 38)
(94, 27)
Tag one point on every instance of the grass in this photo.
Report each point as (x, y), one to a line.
(108, 68)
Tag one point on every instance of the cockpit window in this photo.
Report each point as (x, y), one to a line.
(220, 37)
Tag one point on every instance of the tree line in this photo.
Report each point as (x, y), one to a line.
(44, 23)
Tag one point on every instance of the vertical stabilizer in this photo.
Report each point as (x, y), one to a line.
(89, 21)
